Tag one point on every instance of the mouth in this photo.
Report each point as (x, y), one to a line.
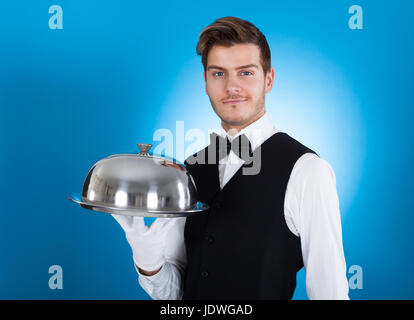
(234, 101)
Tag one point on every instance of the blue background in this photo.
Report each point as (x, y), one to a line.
(120, 70)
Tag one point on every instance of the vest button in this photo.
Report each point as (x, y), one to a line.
(204, 274)
(209, 238)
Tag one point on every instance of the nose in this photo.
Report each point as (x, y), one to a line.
(232, 86)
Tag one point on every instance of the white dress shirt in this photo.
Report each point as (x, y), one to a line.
(311, 210)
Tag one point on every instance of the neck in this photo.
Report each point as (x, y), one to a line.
(234, 129)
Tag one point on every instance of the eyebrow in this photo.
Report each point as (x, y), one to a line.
(241, 67)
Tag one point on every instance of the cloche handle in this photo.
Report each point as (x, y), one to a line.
(144, 148)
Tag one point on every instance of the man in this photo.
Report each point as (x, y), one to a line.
(262, 227)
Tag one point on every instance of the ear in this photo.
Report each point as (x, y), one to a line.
(269, 78)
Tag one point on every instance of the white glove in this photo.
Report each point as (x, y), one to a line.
(147, 243)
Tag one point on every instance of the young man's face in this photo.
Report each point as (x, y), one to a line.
(236, 84)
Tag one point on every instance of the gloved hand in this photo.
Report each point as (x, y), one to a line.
(147, 242)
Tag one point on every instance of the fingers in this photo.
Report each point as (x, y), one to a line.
(137, 224)
(162, 225)
(124, 221)
(129, 223)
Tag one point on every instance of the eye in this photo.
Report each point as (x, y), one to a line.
(218, 73)
(246, 73)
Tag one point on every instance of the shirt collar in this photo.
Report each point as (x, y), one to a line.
(257, 132)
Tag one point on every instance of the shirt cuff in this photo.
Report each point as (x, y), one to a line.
(150, 281)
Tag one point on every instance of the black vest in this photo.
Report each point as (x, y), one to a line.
(242, 248)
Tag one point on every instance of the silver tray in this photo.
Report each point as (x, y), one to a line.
(200, 208)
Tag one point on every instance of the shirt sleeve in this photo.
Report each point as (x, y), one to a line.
(312, 213)
(167, 284)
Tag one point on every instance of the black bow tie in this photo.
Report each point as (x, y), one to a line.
(240, 145)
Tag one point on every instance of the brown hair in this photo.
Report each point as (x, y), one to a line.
(229, 31)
